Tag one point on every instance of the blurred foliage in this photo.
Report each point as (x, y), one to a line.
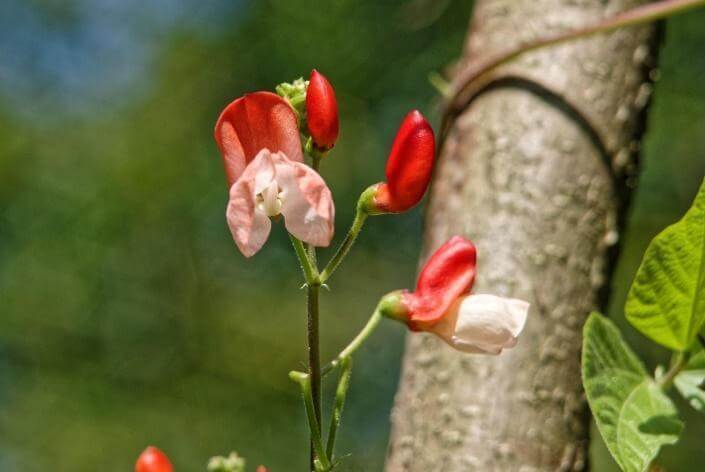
(127, 317)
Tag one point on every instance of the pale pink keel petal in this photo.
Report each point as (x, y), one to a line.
(483, 323)
(307, 203)
(250, 225)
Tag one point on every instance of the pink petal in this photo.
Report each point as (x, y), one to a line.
(249, 226)
(256, 121)
(308, 208)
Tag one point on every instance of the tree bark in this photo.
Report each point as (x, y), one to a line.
(536, 169)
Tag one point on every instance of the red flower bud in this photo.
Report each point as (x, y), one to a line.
(321, 111)
(409, 166)
(153, 460)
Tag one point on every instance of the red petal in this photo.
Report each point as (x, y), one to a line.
(153, 460)
(448, 274)
(254, 122)
(321, 111)
(410, 164)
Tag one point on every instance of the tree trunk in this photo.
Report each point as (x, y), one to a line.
(535, 170)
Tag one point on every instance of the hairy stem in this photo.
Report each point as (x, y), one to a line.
(307, 266)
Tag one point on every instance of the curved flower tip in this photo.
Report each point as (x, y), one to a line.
(448, 273)
(321, 111)
(256, 121)
(441, 304)
(274, 185)
(409, 166)
(153, 460)
(483, 324)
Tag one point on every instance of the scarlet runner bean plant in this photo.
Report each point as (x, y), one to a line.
(272, 146)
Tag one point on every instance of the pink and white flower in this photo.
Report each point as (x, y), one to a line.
(258, 137)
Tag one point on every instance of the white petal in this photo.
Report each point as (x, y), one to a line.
(483, 323)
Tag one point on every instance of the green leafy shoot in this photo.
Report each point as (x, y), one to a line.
(633, 414)
(667, 299)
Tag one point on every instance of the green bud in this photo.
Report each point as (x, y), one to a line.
(232, 463)
(295, 94)
(366, 203)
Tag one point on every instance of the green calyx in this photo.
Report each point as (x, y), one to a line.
(367, 204)
(392, 306)
(295, 94)
(312, 150)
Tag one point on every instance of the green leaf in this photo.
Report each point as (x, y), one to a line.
(632, 413)
(691, 382)
(667, 299)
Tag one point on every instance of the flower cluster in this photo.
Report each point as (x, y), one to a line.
(259, 137)
(264, 139)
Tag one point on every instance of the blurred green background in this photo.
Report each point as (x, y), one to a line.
(127, 316)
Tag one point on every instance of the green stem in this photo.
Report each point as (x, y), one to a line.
(304, 382)
(315, 162)
(314, 355)
(307, 267)
(340, 393)
(678, 361)
(355, 343)
(358, 222)
(639, 15)
(310, 270)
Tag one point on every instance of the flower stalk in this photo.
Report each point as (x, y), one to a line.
(350, 349)
(263, 139)
(348, 242)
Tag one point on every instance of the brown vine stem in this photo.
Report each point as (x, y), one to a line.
(475, 77)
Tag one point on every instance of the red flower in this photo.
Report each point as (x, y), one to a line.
(258, 137)
(409, 166)
(442, 304)
(153, 460)
(321, 111)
